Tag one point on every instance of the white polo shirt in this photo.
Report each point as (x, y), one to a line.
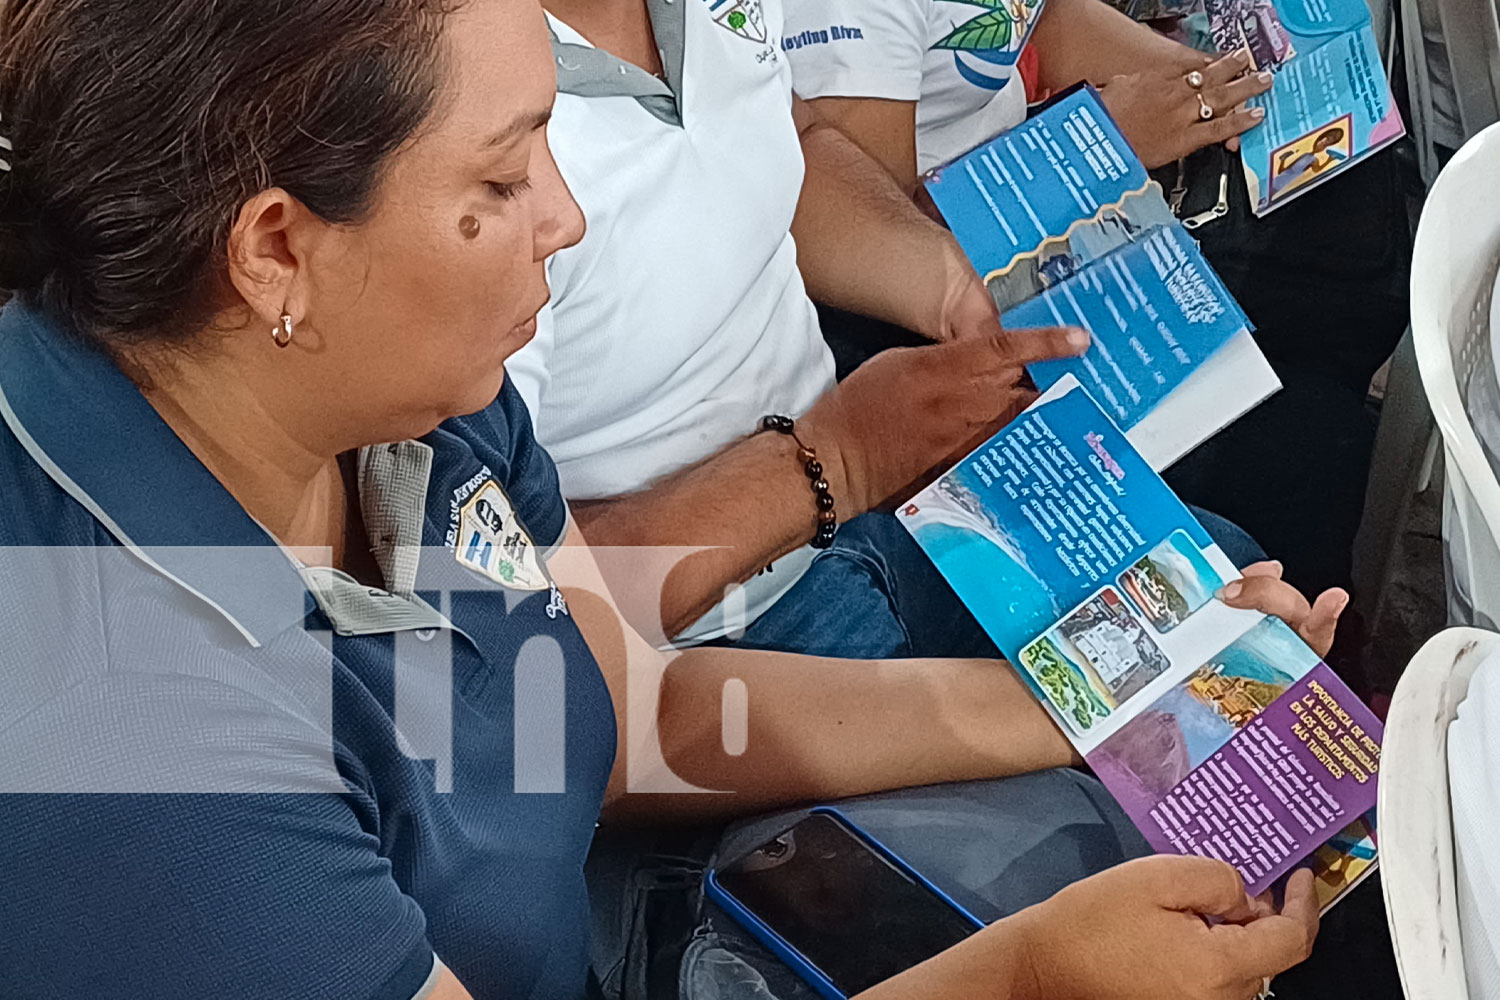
(956, 60)
(681, 318)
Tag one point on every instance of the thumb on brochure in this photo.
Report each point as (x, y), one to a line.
(1275, 943)
(1262, 589)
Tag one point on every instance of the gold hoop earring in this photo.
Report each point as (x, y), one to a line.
(282, 333)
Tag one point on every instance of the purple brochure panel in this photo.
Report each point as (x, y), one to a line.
(1291, 777)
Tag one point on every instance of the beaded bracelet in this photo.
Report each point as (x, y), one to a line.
(828, 521)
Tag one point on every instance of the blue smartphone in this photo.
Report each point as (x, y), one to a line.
(839, 908)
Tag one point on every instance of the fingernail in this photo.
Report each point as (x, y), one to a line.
(1231, 590)
(1257, 113)
(1279, 567)
(1078, 339)
(1243, 55)
(1264, 77)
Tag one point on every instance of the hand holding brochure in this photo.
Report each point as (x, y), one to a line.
(1067, 229)
(1330, 106)
(1219, 731)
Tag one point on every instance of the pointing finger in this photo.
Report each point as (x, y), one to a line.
(1022, 347)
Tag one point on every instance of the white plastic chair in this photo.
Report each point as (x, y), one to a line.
(1453, 275)
(1415, 820)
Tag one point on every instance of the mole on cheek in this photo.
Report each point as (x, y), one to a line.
(469, 227)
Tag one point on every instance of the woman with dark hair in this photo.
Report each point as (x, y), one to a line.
(293, 705)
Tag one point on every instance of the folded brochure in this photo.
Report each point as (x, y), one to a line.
(1330, 105)
(1066, 228)
(1218, 730)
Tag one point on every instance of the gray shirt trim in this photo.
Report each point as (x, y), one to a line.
(430, 986)
(586, 71)
(393, 482)
(355, 609)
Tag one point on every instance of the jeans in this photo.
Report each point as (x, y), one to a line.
(875, 595)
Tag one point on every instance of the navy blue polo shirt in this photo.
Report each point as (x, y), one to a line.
(219, 782)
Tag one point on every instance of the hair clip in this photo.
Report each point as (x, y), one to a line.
(5, 145)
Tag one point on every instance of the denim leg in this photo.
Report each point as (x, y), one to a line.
(873, 595)
(843, 606)
(935, 620)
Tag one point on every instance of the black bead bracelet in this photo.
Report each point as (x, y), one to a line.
(828, 520)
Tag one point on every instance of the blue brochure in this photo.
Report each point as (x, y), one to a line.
(1033, 184)
(1331, 104)
(1157, 311)
(1066, 228)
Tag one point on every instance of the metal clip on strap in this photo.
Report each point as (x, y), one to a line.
(1219, 210)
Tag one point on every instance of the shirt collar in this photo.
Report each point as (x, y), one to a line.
(393, 488)
(90, 429)
(586, 71)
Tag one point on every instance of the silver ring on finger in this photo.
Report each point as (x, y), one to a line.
(1194, 79)
(1205, 110)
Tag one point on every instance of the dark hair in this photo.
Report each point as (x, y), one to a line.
(1334, 134)
(141, 126)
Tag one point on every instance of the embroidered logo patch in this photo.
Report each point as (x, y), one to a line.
(491, 541)
(743, 17)
(987, 47)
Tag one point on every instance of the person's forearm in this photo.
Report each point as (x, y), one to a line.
(814, 728)
(822, 729)
(887, 130)
(745, 507)
(862, 244)
(1088, 40)
(993, 964)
